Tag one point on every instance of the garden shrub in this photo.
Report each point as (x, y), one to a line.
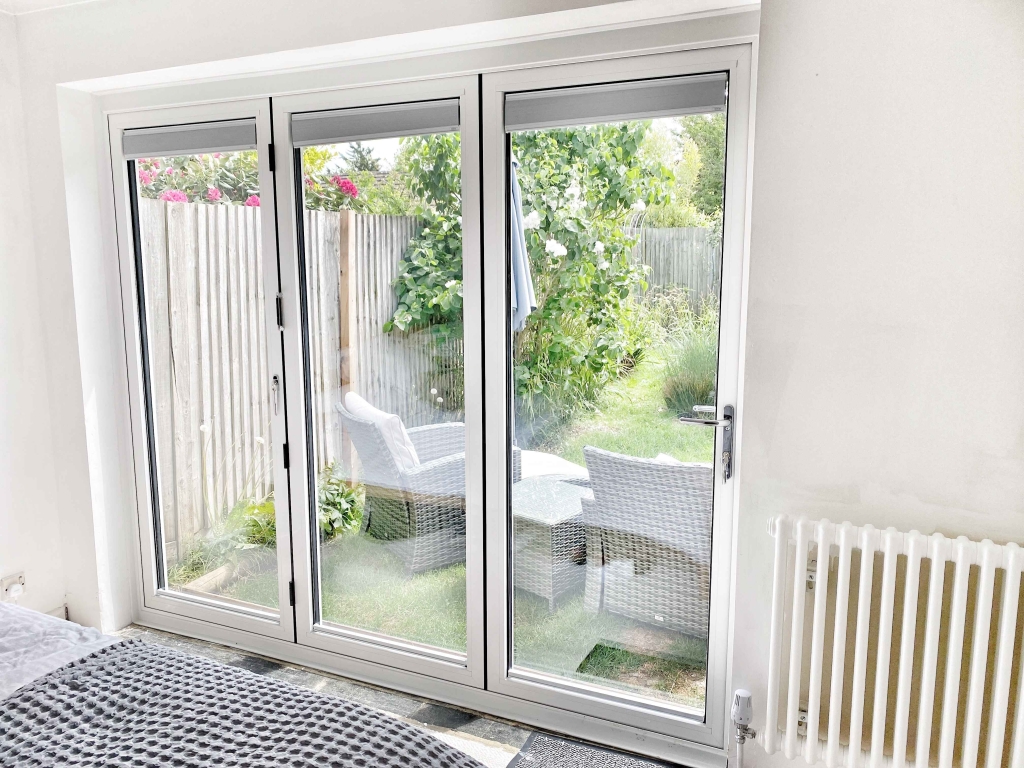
(258, 521)
(670, 311)
(339, 504)
(581, 186)
(252, 525)
(231, 177)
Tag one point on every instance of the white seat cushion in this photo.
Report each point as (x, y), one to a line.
(537, 463)
(391, 427)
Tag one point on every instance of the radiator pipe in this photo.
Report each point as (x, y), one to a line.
(742, 714)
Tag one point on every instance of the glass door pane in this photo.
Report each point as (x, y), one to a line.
(615, 235)
(382, 249)
(210, 383)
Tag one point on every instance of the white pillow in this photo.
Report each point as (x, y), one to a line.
(391, 427)
(664, 458)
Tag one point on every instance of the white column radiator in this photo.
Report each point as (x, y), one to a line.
(943, 690)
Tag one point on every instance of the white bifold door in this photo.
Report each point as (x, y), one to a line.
(200, 292)
(443, 376)
(385, 357)
(613, 213)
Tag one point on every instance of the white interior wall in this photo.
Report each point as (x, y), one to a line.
(884, 359)
(29, 528)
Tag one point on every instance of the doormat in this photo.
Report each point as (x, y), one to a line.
(543, 751)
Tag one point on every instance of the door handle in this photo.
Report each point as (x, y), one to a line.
(275, 385)
(726, 423)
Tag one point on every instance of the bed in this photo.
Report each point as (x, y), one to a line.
(71, 696)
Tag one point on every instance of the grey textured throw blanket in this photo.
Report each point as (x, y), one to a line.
(146, 706)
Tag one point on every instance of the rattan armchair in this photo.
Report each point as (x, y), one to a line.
(420, 511)
(648, 531)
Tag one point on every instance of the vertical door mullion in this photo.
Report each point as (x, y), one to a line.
(277, 381)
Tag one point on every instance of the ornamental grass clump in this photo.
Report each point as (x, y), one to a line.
(692, 370)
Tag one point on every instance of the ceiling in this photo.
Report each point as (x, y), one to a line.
(28, 6)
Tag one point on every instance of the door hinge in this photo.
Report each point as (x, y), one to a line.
(280, 311)
(284, 452)
(291, 593)
(270, 157)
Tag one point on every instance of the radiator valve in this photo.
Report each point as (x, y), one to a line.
(742, 715)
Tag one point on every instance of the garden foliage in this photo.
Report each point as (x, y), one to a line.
(581, 187)
(228, 177)
(252, 525)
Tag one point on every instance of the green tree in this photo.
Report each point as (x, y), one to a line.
(360, 157)
(708, 133)
(681, 154)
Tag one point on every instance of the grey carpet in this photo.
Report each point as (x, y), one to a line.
(543, 751)
(146, 706)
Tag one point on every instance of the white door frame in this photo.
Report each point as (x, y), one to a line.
(469, 668)
(261, 622)
(592, 700)
(617, 53)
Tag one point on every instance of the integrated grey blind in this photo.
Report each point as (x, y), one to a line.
(614, 102)
(363, 123)
(193, 139)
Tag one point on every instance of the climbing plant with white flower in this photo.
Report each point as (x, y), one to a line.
(581, 187)
(555, 248)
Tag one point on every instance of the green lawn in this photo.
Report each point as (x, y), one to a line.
(631, 418)
(365, 586)
(600, 647)
(260, 589)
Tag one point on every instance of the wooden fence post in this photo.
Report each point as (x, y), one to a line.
(347, 295)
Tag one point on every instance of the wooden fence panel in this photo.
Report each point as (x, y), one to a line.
(682, 257)
(206, 324)
(206, 315)
(323, 284)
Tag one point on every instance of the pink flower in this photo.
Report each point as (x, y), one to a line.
(216, 154)
(253, 201)
(169, 171)
(147, 177)
(309, 182)
(156, 164)
(174, 196)
(345, 185)
(213, 194)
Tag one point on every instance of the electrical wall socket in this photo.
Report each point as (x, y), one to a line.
(9, 581)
